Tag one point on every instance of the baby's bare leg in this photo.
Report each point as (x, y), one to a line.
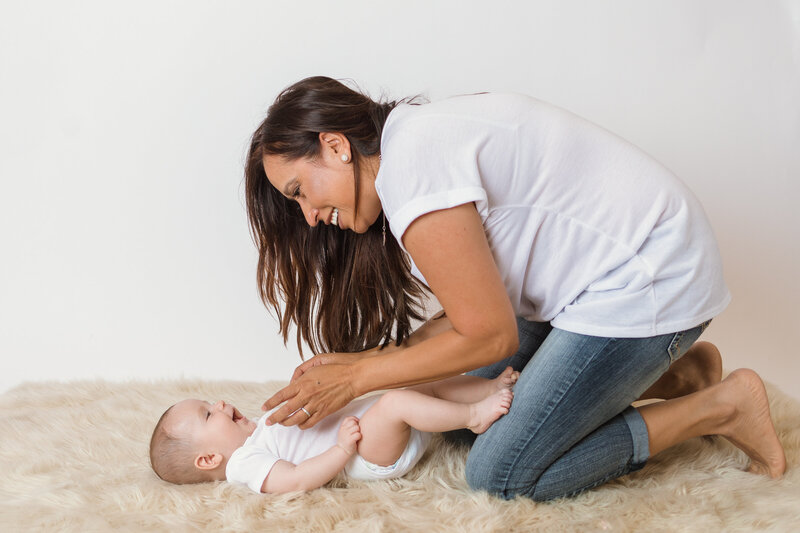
(386, 426)
(468, 389)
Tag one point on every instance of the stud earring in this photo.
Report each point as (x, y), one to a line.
(345, 158)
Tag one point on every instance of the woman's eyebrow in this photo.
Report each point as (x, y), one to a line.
(288, 187)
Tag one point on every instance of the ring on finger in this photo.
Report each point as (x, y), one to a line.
(306, 412)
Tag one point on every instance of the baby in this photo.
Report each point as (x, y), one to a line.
(378, 437)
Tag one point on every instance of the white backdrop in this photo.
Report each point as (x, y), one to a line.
(124, 247)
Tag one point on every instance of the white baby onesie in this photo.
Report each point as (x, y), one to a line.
(251, 463)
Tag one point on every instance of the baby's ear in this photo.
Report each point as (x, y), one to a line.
(208, 461)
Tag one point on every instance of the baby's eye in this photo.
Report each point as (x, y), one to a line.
(208, 413)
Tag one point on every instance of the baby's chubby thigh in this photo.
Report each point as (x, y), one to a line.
(384, 432)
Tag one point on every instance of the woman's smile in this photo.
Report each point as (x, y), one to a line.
(313, 183)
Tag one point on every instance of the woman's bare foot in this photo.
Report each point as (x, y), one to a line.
(750, 427)
(485, 412)
(700, 367)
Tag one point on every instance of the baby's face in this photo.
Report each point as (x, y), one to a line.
(214, 428)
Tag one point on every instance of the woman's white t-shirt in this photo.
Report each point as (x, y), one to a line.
(587, 231)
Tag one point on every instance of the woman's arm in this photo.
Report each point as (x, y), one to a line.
(450, 249)
(431, 328)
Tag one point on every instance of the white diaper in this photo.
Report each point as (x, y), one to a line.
(360, 468)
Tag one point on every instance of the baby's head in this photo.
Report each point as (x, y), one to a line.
(193, 441)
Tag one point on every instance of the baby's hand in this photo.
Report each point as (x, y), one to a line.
(349, 434)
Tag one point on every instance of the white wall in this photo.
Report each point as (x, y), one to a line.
(124, 248)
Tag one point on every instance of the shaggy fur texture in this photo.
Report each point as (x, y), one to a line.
(75, 458)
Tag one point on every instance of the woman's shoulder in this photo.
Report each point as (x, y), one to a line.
(464, 107)
(413, 125)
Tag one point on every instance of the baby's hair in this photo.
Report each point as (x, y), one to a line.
(172, 455)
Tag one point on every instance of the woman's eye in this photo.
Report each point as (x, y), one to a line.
(296, 192)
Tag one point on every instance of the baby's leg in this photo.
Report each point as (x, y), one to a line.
(468, 389)
(386, 426)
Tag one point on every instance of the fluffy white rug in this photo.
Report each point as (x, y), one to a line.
(75, 458)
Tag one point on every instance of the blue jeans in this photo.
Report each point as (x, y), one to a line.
(570, 427)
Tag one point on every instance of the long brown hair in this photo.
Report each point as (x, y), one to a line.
(344, 291)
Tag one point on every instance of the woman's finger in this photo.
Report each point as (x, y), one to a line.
(317, 360)
(295, 418)
(289, 414)
(301, 369)
(278, 416)
(321, 390)
(311, 422)
(286, 393)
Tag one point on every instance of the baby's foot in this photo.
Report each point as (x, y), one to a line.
(505, 380)
(485, 412)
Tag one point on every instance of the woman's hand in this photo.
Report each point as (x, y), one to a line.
(327, 359)
(317, 392)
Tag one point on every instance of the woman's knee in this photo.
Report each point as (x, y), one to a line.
(492, 467)
(485, 476)
(494, 478)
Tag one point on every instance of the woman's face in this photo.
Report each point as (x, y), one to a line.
(325, 184)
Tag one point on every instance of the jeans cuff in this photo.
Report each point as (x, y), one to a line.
(639, 437)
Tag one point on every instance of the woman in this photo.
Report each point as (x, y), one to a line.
(551, 244)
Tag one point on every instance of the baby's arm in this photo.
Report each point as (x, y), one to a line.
(315, 472)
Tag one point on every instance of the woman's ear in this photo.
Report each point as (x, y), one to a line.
(208, 461)
(334, 144)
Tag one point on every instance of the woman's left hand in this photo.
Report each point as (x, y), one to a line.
(319, 391)
(327, 359)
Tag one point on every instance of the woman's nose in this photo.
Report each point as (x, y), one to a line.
(312, 216)
(311, 213)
